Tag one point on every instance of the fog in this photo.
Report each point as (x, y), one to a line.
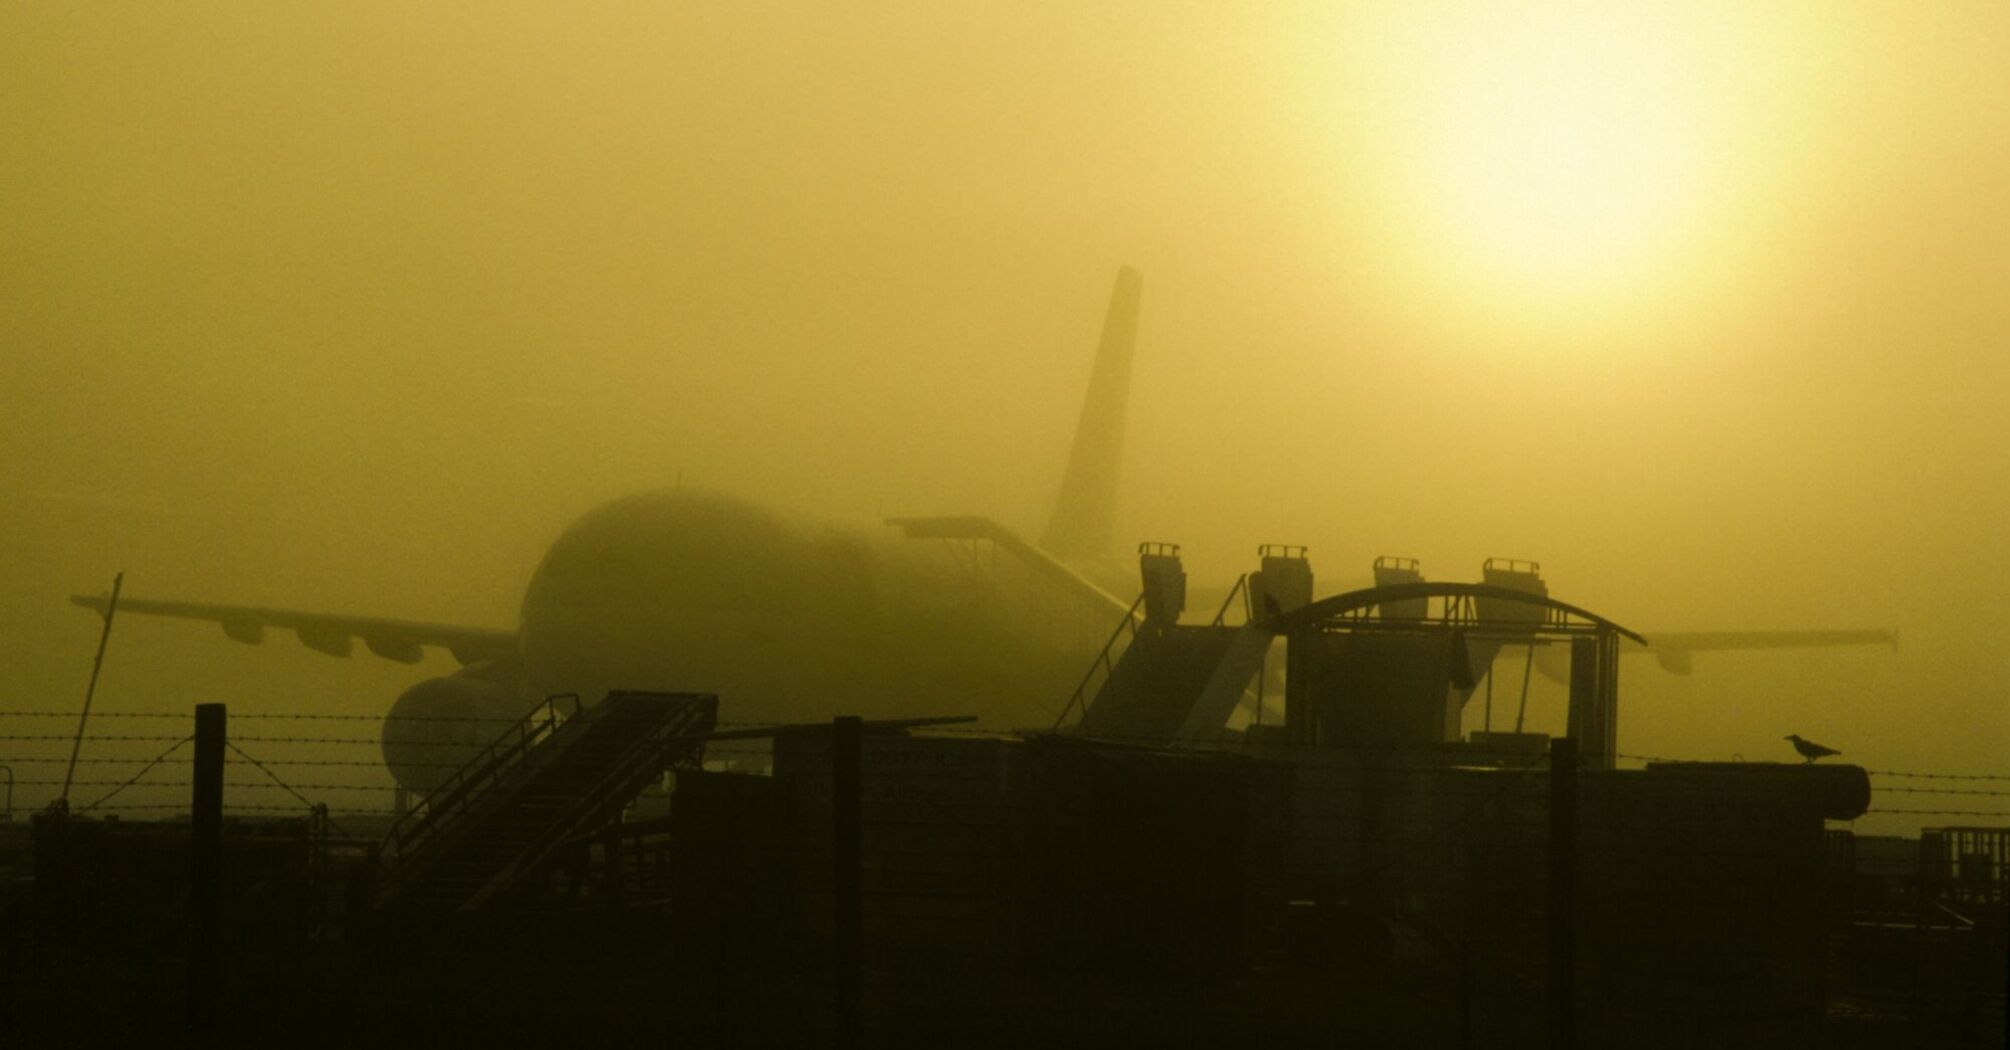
(353, 308)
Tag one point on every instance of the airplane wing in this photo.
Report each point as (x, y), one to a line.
(399, 640)
(1672, 649)
(973, 527)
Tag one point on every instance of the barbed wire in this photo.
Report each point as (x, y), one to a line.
(230, 808)
(1447, 758)
(93, 738)
(158, 759)
(237, 716)
(1449, 750)
(254, 786)
(1946, 812)
(289, 789)
(1938, 791)
(96, 714)
(751, 753)
(58, 760)
(361, 740)
(989, 779)
(1938, 776)
(1662, 829)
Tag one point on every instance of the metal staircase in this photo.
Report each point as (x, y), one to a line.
(1159, 681)
(564, 770)
(1156, 682)
(1096, 680)
(1240, 663)
(1150, 694)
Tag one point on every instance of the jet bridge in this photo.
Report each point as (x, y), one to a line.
(1359, 678)
(1380, 670)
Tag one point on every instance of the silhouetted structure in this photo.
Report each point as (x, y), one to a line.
(1154, 871)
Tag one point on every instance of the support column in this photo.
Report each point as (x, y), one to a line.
(1594, 698)
(1300, 721)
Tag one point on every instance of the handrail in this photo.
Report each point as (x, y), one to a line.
(1128, 623)
(615, 781)
(1964, 921)
(447, 805)
(1241, 587)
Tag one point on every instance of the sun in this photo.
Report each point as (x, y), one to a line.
(1560, 169)
(1557, 148)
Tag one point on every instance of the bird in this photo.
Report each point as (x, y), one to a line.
(1809, 749)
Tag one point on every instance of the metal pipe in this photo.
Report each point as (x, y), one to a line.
(1490, 697)
(1527, 667)
(111, 609)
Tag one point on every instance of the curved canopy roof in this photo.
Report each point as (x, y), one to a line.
(1340, 605)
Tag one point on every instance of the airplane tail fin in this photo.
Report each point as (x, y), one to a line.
(1083, 522)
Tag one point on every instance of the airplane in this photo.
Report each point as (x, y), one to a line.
(694, 591)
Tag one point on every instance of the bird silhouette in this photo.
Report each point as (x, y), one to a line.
(1811, 750)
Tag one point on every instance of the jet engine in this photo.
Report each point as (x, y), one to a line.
(439, 724)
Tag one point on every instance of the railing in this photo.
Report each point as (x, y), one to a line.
(643, 762)
(1966, 866)
(635, 861)
(448, 806)
(1103, 661)
(1241, 587)
(1464, 610)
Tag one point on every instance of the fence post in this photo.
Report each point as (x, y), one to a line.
(847, 882)
(1468, 909)
(205, 876)
(11, 975)
(1562, 912)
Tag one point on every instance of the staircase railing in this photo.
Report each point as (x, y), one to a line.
(1242, 588)
(1105, 662)
(676, 740)
(448, 806)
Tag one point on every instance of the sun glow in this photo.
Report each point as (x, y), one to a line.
(1572, 148)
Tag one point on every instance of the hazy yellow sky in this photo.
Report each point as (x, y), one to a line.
(354, 306)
